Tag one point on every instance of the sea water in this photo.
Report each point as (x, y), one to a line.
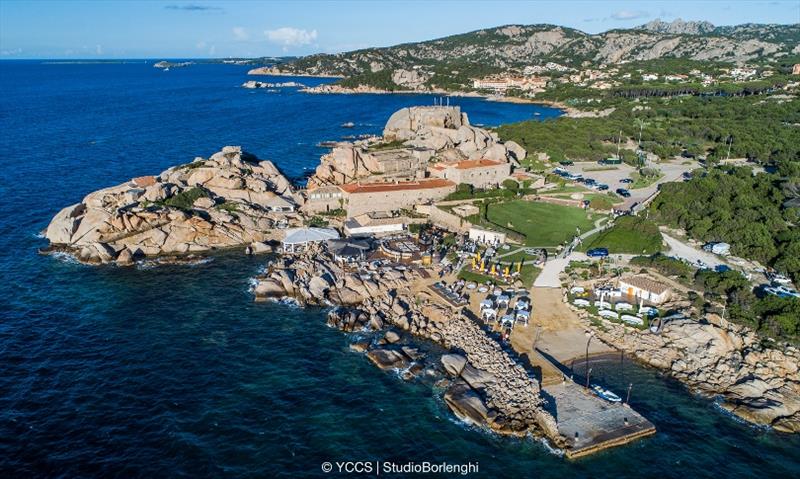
(175, 371)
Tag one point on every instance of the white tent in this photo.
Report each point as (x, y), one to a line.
(302, 236)
(486, 303)
(523, 317)
(489, 314)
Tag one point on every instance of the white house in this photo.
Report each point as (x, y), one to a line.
(374, 224)
(642, 287)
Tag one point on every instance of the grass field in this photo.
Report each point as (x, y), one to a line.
(630, 234)
(543, 224)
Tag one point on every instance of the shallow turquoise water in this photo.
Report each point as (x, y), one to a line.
(175, 371)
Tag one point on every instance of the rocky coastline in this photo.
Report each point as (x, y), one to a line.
(230, 199)
(486, 385)
(756, 382)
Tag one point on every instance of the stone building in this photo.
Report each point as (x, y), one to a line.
(478, 173)
(322, 199)
(366, 198)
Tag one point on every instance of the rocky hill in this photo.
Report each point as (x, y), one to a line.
(445, 61)
(230, 199)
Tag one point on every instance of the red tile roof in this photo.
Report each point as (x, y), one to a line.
(403, 186)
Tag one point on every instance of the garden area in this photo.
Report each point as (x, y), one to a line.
(630, 234)
(542, 224)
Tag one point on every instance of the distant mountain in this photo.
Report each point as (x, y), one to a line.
(513, 47)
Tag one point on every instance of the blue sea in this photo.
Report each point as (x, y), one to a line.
(174, 371)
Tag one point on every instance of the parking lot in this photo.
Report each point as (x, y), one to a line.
(612, 174)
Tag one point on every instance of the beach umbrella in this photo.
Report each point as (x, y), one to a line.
(519, 265)
(494, 269)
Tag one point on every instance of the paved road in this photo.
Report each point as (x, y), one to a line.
(682, 250)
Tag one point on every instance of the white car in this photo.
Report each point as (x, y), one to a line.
(632, 319)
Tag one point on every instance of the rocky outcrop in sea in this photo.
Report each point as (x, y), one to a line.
(488, 386)
(227, 200)
(755, 380)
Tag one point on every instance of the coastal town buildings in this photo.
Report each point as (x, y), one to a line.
(502, 83)
(478, 173)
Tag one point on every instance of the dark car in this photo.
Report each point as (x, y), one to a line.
(602, 187)
(623, 192)
(626, 180)
(589, 181)
(597, 253)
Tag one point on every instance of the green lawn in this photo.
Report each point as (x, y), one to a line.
(630, 234)
(543, 224)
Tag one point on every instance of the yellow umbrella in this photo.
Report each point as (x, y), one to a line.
(473, 263)
(506, 270)
(494, 269)
(519, 265)
(482, 265)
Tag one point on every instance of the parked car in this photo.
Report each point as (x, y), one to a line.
(601, 187)
(623, 192)
(626, 180)
(597, 253)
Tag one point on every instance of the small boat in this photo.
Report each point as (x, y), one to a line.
(537, 114)
(349, 124)
(606, 394)
(166, 69)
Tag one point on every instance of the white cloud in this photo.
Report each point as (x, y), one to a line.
(629, 15)
(240, 33)
(291, 37)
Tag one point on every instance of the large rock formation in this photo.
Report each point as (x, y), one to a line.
(412, 138)
(758, 383)
(491, 388)
(227, 200)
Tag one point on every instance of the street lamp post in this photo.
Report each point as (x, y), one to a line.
(589, 335)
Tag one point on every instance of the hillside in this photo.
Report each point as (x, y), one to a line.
(452, 61)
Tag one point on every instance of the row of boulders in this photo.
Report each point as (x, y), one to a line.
(228, 200)
(757, 382)
(489, 387)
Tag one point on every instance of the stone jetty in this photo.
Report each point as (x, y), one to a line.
(487, 386)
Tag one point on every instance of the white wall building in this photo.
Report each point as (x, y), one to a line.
(642, 287)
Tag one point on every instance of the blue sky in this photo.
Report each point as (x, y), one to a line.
(199, 28)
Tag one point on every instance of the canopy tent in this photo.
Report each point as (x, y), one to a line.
(302, 236)
(486, 303)
(348, 249)
(523, 317)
